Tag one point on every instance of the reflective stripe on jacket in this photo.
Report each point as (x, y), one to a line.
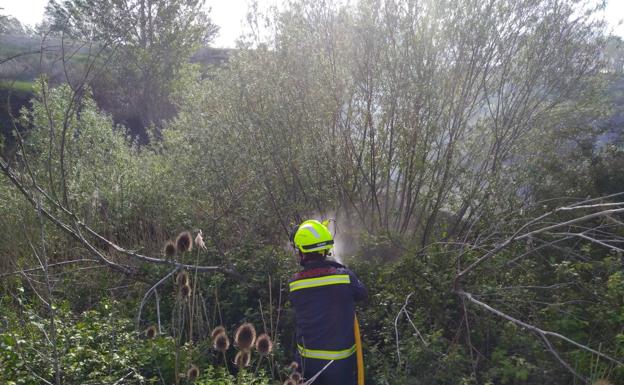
(326, 354)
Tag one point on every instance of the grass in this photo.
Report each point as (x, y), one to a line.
(17, 86)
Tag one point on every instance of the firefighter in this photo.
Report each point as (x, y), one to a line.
(323, 295)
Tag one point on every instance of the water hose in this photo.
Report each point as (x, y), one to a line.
(358, 351)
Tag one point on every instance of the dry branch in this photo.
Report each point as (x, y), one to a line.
(75, 232)
(403, 310)
(518, 235)
(153, 290)
(63, 263)
(542, 333)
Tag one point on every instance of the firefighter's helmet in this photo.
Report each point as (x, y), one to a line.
(312, 236)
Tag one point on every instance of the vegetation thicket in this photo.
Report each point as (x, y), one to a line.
(470, 153)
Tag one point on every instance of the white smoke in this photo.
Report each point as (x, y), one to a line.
(342, 231)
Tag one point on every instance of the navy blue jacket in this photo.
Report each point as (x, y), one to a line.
(324, 314)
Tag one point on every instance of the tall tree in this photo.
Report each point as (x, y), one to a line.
(150, 43)
(10, 25)
(395, 112)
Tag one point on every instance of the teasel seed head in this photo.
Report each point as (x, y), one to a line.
(170, 249)
(186, 291)
(296, 376)
(151, 332)
(245, 336)
(216, 331)
(264, 345)
(184, 242)
(182, 278)
(221, 343)
(192, 373)
(199, 240)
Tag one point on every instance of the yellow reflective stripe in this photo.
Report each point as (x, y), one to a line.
(326, 354)
(320, 281)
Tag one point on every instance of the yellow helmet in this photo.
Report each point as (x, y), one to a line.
(312, 236)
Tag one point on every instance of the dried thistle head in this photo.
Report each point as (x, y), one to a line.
(151, 332)
(221, 343)
(184, 242)
(199, 240)
(185, 290)
(293, 366)
(264, 345)
(182, 278)
(216, 331)
(296, 376)
(245, 336)
(170, 249)
(192, 373)
(242, 359)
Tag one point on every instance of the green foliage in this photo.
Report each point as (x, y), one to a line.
(431, 309)
(97, 345)
(509, 369)
(150, 44)
(219, 376)
(508, 355)
(421, 137)
(20, 86)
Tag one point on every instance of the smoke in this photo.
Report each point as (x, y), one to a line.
(338, 249)
(344, 234)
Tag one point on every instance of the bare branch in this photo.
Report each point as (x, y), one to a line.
(535, 329)
(75, 233)
(593, 240)
(63, 263)
(598, 205)
(554, 352)
(119, 381)
(518, 236)
(403, 310)
(153, 289)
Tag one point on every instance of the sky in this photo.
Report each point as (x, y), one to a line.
(229, 15)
